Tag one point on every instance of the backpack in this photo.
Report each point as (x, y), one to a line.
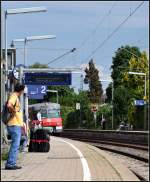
(6, 115)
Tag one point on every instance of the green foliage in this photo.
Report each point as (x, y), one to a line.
(127, 87)
(65, 110)
(136, 83)
(86, 114)
(131, 112)
(106, 111)
(72, 118)
(95, 86)
(109, 93)
(38, 65)
(121, 62)
(4, 155)
(121, 98)
(66, 95)
(82, 118)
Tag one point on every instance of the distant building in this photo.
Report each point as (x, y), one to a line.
(11, 57)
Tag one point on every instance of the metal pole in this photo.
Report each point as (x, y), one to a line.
(80, 117)
(112, 105)
(145, 86)
(21, 97)
(26, 107)
(81, 83)
(25, 41)
(57, 97)
(25, 99)
(12, 66)
(145, 114)
(95, 118)
(6, 64)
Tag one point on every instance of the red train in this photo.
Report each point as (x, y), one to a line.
(50, 117)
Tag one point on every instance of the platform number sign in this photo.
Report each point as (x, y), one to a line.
(36, 91)
(43, 89)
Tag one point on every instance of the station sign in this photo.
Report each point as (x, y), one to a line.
(139, 102)
(47, 78)
(77, 106)
(36, 91)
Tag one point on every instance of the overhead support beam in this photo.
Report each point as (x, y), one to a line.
(25, 10)
(63, 70)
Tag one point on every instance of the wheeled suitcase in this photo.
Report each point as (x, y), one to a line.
(39, 141)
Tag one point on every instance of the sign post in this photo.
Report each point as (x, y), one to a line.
(94, 110)
(77, 106)
(95, 117)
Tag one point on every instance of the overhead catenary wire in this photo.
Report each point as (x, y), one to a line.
(93, 52)
(116, 29)
(70, 51)
(95, 29)
(48, 49)
(86, 38)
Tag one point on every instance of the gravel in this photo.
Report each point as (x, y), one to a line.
(142, 168)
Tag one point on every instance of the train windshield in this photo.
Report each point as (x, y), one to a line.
(53, 114)
(50, 113)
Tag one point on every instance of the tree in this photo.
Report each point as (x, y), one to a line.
(95, 85)
(106, 111)
(121, 62)
(136, 85)
(38, 65)
(65, 93)
(109, 93)
(120, 104)
(127, 87)
(80, 118)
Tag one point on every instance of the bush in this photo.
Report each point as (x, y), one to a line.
(106, 111)
(4, 155)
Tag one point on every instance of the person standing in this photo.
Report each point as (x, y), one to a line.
(103, 123)
(14, 126)
(39, 117)
(24, 137)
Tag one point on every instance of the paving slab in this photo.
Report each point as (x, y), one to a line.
(68, 160)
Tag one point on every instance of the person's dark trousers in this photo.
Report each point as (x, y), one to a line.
(15, 133)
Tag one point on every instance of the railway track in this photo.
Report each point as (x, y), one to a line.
(141, 178)
(118, 148)
(136, 152)
(129, 145)
(124, 150)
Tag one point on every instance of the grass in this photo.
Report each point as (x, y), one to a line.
(4, 156)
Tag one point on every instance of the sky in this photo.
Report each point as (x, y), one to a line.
(76, 23)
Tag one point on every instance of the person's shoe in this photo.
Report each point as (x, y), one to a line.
(13, 167)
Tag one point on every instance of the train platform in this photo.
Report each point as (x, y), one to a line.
(68, 160)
